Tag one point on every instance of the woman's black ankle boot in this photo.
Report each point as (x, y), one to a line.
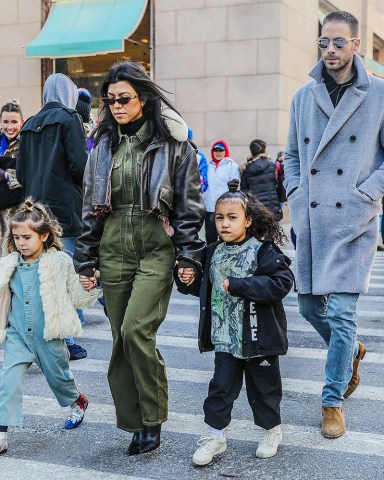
(150, 439)
(135, 445)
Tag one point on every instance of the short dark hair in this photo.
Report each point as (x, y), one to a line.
(344, 17)
(257, 146)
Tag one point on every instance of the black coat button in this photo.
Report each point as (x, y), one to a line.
(313, 204)
(313, 171)
(352, 138)
(29, 329)
(338, 205)
(306, 140)
(339, 171)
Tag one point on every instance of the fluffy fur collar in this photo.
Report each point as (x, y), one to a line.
(60, 290)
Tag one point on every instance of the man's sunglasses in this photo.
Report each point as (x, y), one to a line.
(121, 100)
(323, 42)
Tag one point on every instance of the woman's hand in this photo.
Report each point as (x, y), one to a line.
(88, 283)
(226, 285)
(186, 275)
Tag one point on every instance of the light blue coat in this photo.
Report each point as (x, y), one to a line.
(332, 155)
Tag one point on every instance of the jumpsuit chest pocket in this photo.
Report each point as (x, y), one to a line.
(139, 161)
(117, 174)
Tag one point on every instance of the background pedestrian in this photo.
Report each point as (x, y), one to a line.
(51, 161)
(259, 177)
(11, 121)
(221, 169)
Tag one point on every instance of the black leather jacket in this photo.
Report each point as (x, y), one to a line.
(170, 186)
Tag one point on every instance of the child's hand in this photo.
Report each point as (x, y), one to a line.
(186, 275)
(226, 285)
(88, 283)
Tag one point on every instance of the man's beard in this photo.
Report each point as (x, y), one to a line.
(344, 65)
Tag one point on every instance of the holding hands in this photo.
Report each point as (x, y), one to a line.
(88, 283)
(186, 275)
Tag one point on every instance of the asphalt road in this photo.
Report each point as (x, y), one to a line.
(42, 449)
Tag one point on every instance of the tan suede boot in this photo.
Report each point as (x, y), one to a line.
(355, 379)
(333, 424)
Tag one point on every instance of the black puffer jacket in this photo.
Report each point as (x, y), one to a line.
(259, 178)
(264, 320)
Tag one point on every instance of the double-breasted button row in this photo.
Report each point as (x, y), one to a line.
(339, 171)
(315, 204)
(352, 138)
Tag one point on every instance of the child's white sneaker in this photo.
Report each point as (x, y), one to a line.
(209, 447)
(3, 442)
(269, 444)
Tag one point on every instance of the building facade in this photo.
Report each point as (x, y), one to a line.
(231, 65)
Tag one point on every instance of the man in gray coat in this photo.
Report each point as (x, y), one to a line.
(334, 178)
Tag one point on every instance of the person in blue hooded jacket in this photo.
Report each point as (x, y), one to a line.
(202, 163)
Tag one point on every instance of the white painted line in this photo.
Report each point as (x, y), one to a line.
(17, 468)
(95, 333)
(360, 443)
(294, 385)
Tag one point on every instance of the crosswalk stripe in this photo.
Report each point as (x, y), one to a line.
(361, 443)
(293, 385)
(185, 342)
(16, 468)
(304, 327)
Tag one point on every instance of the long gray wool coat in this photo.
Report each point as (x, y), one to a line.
(331, 154)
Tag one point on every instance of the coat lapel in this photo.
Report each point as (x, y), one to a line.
(351, 100)
(322, 98)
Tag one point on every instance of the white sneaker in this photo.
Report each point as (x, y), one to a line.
(209, 447)
(269, 444)
(3, 442)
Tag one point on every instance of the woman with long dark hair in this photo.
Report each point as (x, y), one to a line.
(142, 211)
(11, 121)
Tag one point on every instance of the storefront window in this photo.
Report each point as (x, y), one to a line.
(89, 72)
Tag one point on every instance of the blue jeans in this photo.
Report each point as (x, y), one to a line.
(69, 248)
(334, 317)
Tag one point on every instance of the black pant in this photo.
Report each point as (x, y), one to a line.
(263, 384)
(210, 229)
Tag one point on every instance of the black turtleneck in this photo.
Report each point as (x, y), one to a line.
(132, 128)
(336, 90)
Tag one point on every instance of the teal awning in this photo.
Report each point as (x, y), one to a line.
(86, 27)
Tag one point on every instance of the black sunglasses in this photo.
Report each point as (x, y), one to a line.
(121, 100)
(218, 150)
(323, 42)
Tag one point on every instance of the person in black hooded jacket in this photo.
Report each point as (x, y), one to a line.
(259, 177)
(245, 277)
(51, 162)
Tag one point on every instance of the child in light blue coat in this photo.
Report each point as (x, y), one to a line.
(39, 294)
